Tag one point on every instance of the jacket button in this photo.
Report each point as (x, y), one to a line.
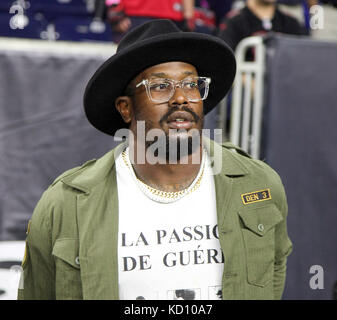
(77, 260)
(260, 227)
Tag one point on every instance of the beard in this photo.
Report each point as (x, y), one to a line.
(174, 145)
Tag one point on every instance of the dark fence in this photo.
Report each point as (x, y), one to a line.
(301, 145)
(43, 129)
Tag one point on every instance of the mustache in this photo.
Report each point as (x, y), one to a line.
(174, 109)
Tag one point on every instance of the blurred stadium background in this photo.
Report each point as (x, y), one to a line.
(282, 109)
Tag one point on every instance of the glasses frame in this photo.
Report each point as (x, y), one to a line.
(175, 83)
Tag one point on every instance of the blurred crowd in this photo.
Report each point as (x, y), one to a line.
(232, 20)
(109, 20)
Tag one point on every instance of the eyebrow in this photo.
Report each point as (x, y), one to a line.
(159, 75)
(189, 73)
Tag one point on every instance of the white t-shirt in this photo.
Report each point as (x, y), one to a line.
(168, 250)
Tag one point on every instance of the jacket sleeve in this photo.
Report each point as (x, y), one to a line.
(283, 248)
(37, 277)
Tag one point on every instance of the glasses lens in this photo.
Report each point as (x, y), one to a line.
(196, 89)
(160, 90)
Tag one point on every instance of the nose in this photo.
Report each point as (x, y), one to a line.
(179, 97)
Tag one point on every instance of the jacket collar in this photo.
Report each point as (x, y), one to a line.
(93, 172)
(225, 162)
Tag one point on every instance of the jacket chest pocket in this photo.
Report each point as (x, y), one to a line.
(67, 269)
(259, 240)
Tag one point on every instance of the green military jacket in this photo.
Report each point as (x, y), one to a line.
(72, 241)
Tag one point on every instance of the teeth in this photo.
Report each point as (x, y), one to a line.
(180, 120)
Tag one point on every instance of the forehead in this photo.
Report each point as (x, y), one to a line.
(174, 70)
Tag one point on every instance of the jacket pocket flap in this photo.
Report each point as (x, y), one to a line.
(68, 251)
(260, 220)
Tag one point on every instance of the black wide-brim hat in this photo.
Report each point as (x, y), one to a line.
(150, 44)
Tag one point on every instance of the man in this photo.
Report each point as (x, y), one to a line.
(124, 15)
(171, 212)
(258, 17)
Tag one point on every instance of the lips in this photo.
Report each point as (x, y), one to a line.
(180, 120)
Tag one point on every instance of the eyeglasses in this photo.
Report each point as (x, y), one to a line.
(162, 90)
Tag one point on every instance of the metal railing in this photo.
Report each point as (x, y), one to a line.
(247, 99)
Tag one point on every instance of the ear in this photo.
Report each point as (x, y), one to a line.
(124, 106)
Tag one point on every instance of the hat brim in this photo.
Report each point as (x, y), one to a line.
(209, 55)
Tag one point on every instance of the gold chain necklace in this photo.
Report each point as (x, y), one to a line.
(165, 196)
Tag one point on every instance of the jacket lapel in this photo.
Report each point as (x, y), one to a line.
(97, 216)
(225, 167)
